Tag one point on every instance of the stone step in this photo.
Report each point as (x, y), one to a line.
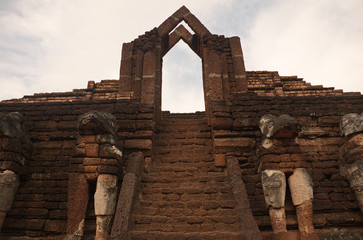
(196, 121)
(199, 176)
(187, 216)
(194, 206)
(188, 150)
(164, 192)
(172, 129)
(182, 166)
(207, 235)
(183, 195)
(182, 142)
(177, 159)
(183, 135)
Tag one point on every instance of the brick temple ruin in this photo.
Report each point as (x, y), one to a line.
(271, 157)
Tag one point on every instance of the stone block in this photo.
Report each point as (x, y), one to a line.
(106, 169)
(125, 203)
(109, 162)
(222, 123)
(9, 183)
(12, 125)
(55, 226)
(35, 224)
(97, 122)
(91, 161)
(90, 169)
(138, 144)
(92, 150)
(351, 123)
(301, 186)
(283, 126)
(78, 189)
(135, 163)
(274, 188)
(105, 195)
(225, 144)
(86, 139)
(220, 160)
(278, 219)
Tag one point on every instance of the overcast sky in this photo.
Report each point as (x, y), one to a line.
(59, 45)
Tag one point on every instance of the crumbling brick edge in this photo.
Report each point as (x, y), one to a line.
(129, 189)
(248, 224)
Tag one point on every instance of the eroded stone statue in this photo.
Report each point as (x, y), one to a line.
(351, 153)
(15, 146)
(274, 189)
(96, 159)
(279, 136)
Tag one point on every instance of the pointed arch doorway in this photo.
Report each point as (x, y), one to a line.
(182, 86)
(222, 62)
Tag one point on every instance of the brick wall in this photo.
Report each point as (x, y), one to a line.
(40, 204)
(236, 133)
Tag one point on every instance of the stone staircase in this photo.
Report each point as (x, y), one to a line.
(183, 195)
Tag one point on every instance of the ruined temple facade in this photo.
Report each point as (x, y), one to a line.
(271, 157)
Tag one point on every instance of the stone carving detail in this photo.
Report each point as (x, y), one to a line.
(15, 146)
(351, 153)
(96, 159)
(275, 129)
(9, 183)
(274, 189)
(283, 126)
(351, 123)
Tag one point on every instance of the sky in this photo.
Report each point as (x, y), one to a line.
(59, 45)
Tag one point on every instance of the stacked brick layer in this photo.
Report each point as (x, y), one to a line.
(184, 196)
(263, 83)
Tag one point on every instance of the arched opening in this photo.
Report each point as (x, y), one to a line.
(182, 84)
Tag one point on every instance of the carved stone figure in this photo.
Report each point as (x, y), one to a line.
(351, 153)
(301, 188)
(274, 189)
(96, 159)
(281, 150)
(15, 146)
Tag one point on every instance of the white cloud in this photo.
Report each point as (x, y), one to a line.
(320, 41)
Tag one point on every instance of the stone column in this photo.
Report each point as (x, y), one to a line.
(238, 65)
(301, 188)
(148, 78)
(105, 204)
(351, 153)
(354, 173)
(126, 66)
(274, 189)
(9, 183)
